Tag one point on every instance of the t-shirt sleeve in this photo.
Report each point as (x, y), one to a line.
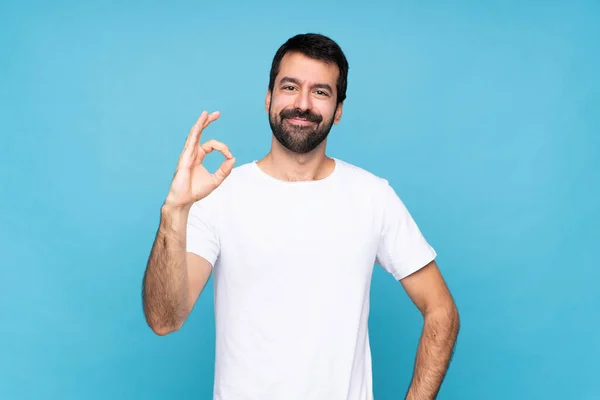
(402, 247)
(202, 235)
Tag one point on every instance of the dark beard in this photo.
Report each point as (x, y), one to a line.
(297, 138)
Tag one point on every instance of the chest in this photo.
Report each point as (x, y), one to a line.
(300, 233)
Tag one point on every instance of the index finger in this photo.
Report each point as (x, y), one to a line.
(194, 135)
(202, 122)
(216, 145)
(212, 117)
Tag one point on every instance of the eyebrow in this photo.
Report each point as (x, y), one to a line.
(297, 82)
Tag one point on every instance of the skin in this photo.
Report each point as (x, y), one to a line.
(174, 278)
(305, 93)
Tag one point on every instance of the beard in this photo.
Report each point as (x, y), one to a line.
(299, 138)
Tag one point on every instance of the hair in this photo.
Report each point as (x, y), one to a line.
(318, 47)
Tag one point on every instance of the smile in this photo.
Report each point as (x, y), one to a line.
(300, 121)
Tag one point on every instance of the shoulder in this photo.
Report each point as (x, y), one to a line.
(362, 178)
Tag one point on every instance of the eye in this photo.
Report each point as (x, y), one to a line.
(322, 93)
(288, 87)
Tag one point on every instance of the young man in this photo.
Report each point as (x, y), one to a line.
(292, 240)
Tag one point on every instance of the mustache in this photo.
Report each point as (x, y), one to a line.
(296, 113)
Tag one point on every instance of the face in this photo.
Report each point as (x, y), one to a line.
(303, 104)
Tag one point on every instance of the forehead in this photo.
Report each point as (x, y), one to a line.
(306, 69)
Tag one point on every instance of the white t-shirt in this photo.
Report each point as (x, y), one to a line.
(292, 266)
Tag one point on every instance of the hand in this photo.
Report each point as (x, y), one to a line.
(192, 181)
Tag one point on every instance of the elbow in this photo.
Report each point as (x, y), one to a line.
(452, 315)
(451, 312)
(162, 320)
(447, 315)
(162, 328)
(455, 318)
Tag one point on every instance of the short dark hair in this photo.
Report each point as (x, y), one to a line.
(318, 47)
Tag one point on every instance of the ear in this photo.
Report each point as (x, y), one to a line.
(268, 101)
(338, 114)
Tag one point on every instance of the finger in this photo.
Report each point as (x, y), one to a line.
(223, 171)
(194, 135)
(212, 117)
(216, 145)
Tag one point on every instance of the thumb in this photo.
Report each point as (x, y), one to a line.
(224, 171)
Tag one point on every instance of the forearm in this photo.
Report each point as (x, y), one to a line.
(165, 284)
(434, 353)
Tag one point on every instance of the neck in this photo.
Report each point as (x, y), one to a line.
(285, 165)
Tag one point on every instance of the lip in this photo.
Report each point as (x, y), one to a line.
(298, 121)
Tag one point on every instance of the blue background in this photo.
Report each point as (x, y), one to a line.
(483, 116)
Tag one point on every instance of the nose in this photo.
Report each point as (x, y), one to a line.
(303, 100)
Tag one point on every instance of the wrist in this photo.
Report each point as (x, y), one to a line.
(169, 209)
(175, 216)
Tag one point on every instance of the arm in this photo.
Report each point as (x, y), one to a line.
(428, 291)
(173, 278)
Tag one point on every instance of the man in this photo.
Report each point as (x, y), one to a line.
(292, 240)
